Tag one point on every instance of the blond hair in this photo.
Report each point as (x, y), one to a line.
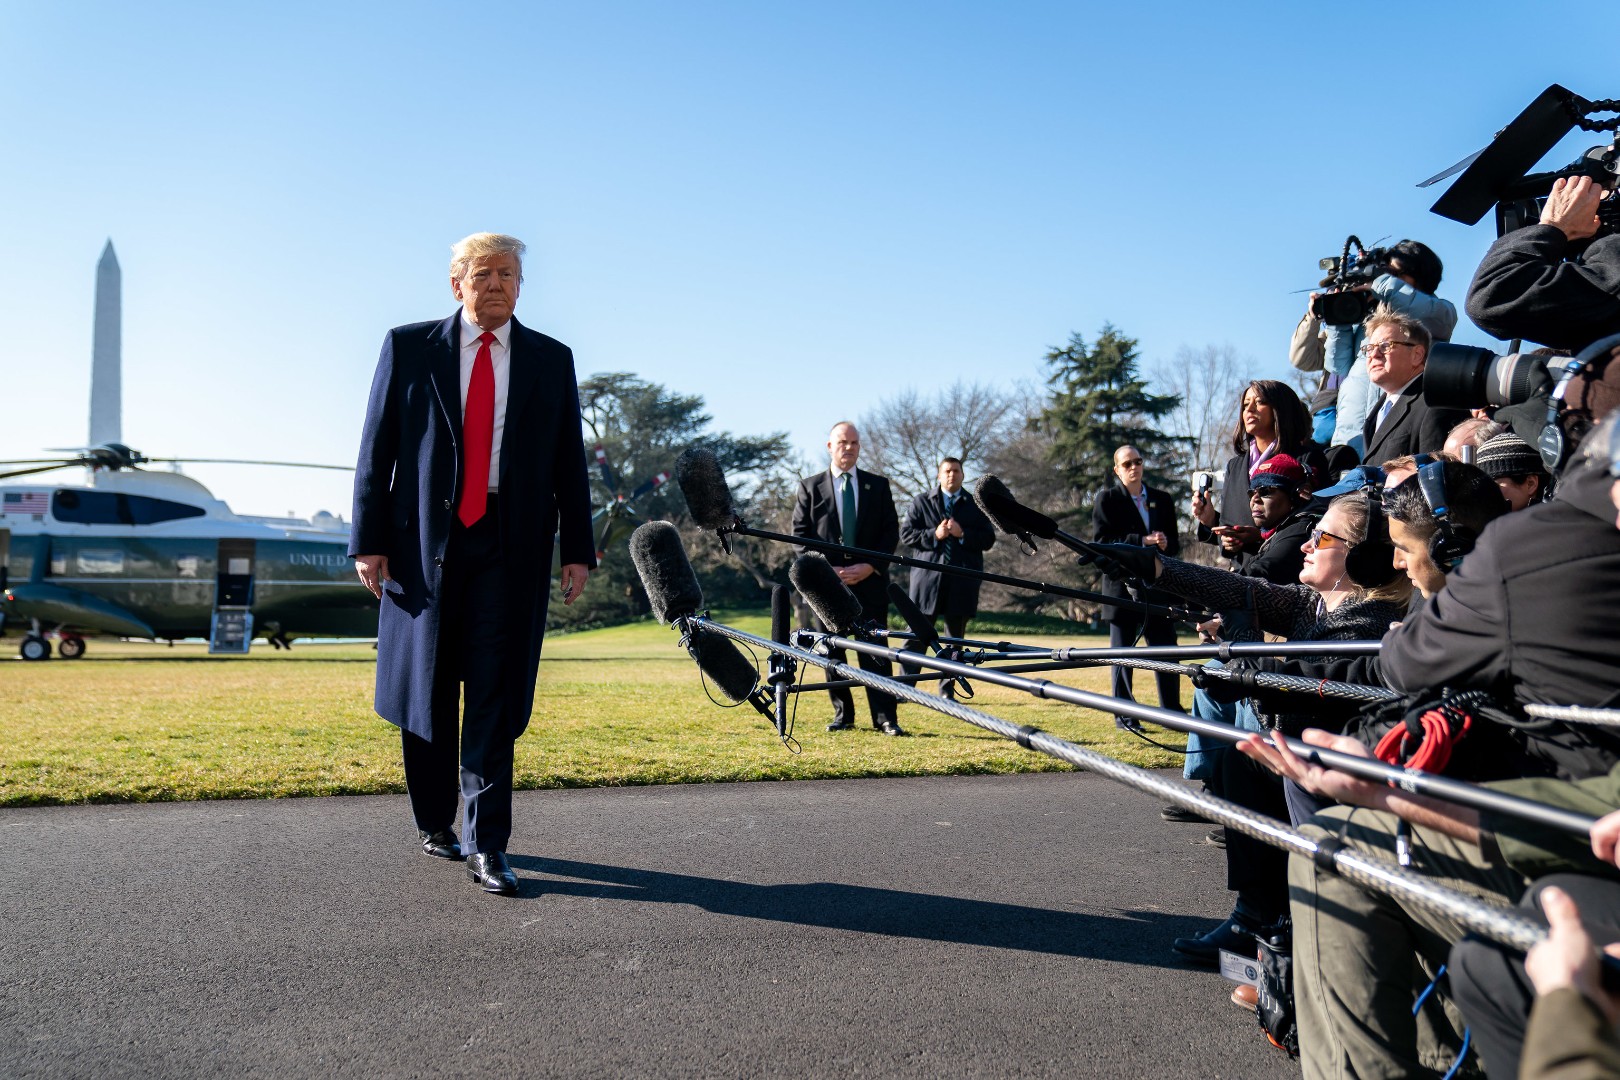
(482, 245)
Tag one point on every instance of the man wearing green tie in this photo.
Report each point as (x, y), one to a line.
(849, 506)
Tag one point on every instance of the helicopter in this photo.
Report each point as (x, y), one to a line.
(139, 553)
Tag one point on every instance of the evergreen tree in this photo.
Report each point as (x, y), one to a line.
(1098, 402)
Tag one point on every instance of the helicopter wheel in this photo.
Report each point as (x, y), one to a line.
(70, 648)
(35, 648)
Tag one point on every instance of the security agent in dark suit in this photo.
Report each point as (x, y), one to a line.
(1397, 350)
(945, 526)
(471, 462)
(1133, 513)
(849, 506)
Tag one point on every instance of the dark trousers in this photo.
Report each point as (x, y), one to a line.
(469, 698)
(874, 606)
(1256, 871)
(1159, 630)
(1488, 979)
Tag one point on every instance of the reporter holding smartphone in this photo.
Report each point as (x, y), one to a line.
(1271, 421)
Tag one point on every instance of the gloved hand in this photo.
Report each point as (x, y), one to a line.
(1123, 560)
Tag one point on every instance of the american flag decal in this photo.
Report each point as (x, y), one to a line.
(25, 502)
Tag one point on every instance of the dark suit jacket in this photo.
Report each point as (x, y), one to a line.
(877, 528)
(1412, 428)
(1114, 520)
(407, 483)
(927, 510)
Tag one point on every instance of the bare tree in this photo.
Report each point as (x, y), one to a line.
(1210, 382)
(905, 436)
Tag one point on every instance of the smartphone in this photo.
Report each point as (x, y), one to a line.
(1203, 482)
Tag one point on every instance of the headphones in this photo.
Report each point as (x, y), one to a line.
(1450, 541)
(1371, 563)
(1555, 443)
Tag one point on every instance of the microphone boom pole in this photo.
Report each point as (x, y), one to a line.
(1499, 923)
(1415, 781)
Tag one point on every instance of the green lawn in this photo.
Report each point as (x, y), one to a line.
(136, 722)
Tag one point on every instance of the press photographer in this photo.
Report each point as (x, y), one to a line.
(1553, 282)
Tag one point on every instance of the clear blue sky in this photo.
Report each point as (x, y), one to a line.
(793, 210)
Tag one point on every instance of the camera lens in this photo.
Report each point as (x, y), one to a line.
(1455, 376)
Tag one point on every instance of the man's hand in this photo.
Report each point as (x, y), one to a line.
(373, 571)
(1567, 957)
(1572, 207)
(1316, 779)
(855, 573)
(946, 529)
(1209, 631)
(1606, 838)
(572, 580)
(1156, 539)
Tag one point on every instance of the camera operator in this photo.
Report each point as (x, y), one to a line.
(1471, 499)
(1551, 282)
(1410, 275)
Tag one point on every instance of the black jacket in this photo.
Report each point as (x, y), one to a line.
(1282, 554)
(1530, 616)
(1413, 427)
(961, 596)
(1529, 286)
(877, 528)
(1115, 520)
(1235, 491)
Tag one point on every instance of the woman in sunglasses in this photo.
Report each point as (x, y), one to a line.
(1326, 603)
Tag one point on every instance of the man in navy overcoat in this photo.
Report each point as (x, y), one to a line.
(471, 462)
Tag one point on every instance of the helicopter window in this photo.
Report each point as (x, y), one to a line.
(116, 508)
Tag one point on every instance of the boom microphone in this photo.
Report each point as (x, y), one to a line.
(731, 672)
(666, 575)
(920, 625)
(703, 484)
(815, 579)
(1008, 514)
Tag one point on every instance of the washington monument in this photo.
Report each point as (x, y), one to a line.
(106, 383)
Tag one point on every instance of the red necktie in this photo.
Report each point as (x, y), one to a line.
(477, 434)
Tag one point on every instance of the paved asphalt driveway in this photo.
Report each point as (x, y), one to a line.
(962, 926)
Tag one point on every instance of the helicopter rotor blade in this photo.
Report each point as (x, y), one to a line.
(38, 469)
(610, 479)
(1455, 169)
(64, 462)
(244, 461)
(651, 485)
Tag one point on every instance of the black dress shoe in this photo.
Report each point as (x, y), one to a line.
(841, 725)
(441, 844)
(889, 727)
(1177, 812)
(1232, 935)
(490, 870)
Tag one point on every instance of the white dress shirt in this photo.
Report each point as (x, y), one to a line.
(498, 356)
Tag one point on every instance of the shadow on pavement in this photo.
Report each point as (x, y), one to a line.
(1134, 937)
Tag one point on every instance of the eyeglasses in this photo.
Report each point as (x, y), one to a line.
(1134, 463)
(1323, 539)
(1376, 348)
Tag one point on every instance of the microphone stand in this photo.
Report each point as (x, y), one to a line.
(1411, 780)
(1500, 923)
(1183, 614)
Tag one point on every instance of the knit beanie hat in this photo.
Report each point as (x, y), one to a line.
(1508, 455)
